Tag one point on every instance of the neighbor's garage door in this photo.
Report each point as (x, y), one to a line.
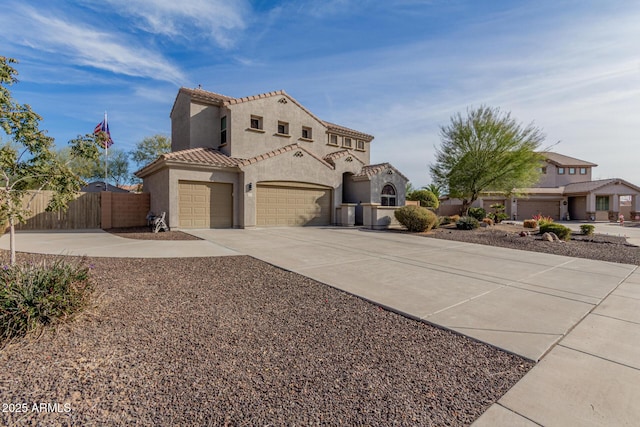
(528, 208)
(205, 204)
(292, 205)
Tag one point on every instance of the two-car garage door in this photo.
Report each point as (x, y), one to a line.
(205, 204)
(292, 204)
(528, 208)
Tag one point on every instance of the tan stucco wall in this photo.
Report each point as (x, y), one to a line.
(180, 120)
(552, 179)
(248, 143)
(205, 126)
(158, 186)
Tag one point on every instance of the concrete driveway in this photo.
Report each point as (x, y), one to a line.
(579, 318)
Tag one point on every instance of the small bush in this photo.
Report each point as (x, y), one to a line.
(417, 219)
(563, 233)
(34, 295)
(477, 213)
(426, 198)
(467, 223)
(587, 229)
(454, 218)
(488, 221)
(530, 223)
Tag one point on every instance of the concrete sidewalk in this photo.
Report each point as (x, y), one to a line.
(98, 243)
(579, 317)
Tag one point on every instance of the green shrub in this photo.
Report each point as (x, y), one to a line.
(477, 213)
(426, 198)
(416, 218)
(563, 233)
(34, 295)
(587, 229)
(530, 223)
(467, 223)
(498, 215)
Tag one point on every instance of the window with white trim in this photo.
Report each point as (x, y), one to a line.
(360, 145)
(346, 143)
(333, 139)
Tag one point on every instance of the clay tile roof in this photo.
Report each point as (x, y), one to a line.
(332, 157)
(562, 160)
(203, 156)
(371, 170)
(350, 132)
(232, 101)
(282, 150)
(588, 186)
(205, 95)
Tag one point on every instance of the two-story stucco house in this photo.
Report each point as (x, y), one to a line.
(567, 191)
(264, 160)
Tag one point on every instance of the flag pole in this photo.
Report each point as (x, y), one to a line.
(106, 155)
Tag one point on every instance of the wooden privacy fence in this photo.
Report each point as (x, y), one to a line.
(88, 210)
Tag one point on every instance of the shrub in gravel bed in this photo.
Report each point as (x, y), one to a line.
(37, 294)
(477, 213)
(416, 219)
(530, 223)
(467, 223)
(564, 233)
(587, 229)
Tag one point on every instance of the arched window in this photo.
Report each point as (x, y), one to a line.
(388, 196)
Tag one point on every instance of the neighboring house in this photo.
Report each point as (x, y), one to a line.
(263, 160)
(566, 191)
(98, 186)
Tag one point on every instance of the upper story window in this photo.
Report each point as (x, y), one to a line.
(583, 171)
(346, 143)
(360, 145)
(306, 132)
(223, 130)
(333, 139)
(543, 170)
(388, 196)
(283, 128)
(560, 171)
(572, 171)
(256, 122)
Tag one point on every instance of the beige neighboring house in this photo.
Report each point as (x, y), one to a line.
(566, 191)
(264, 160)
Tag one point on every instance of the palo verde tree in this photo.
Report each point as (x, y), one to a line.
(29, 161)
(486, 151)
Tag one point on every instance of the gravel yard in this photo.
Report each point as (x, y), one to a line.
(235, 341)
(598, 247)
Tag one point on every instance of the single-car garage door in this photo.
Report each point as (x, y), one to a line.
(528, 208)
(205, 204)
(292, 204)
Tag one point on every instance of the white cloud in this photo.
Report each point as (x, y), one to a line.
(86, 46)
(221, 20)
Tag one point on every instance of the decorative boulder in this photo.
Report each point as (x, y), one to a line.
(547, 237)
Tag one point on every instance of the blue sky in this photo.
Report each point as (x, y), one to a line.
(395, 69)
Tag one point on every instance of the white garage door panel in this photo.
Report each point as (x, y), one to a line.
(205, 204)
(278, 205)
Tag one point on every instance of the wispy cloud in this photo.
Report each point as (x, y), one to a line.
(83, 45)
(220, 20)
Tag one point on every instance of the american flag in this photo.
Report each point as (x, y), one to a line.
(103, 126)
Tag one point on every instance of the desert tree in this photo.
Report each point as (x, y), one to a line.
(29, 161)
(486, 150)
